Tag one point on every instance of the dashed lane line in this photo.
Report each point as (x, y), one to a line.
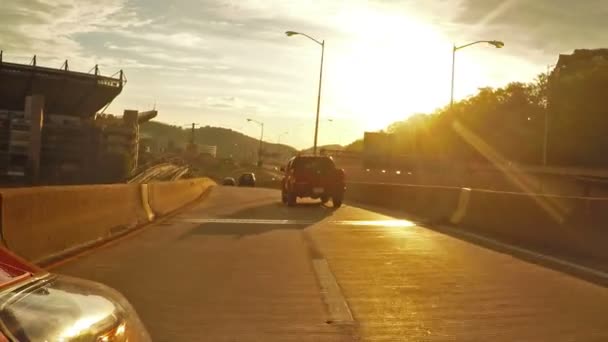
(338, 309)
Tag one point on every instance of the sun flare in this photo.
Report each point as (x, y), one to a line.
(392, 67)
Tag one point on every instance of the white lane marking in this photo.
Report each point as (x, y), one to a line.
(540, 256)
(378, 223)
(246, 221)
(339, 312)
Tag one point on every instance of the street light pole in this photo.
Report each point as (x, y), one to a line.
(279, 143)
(319, 99)
(279, 138)
(496, 43)
(322, 43)
(261, 146)
(453, 69)
(331, 121)
(261, 124)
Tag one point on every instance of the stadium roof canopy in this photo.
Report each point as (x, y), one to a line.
(66, 92)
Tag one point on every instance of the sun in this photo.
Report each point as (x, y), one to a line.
(391, 67)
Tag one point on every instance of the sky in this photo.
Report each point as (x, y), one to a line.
(219, 62)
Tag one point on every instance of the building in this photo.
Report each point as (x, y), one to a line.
(578, 110)
(50, 130)
(208, 150)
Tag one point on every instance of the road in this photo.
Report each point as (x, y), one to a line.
(240, 266)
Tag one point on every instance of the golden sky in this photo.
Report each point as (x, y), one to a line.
(218, 62)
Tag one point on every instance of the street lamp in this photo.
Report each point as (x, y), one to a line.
(331, 121)
(496, 43)
(261, 124)
(279, 137)
(279, 142)
(322, 43)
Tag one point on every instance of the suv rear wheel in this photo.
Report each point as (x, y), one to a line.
(291, 199)
(337, 200)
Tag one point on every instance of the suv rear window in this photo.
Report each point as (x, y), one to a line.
(312, 163)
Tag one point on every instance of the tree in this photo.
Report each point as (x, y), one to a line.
(509, 120)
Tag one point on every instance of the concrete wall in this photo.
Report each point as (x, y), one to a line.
(563, 184)
(166, 197)
(568, 225)
(45, 222)
(436, 203)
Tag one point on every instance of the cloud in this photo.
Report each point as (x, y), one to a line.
(231, 58)
(550, 25)
(51, 28)
(179, 39)
(169, 57)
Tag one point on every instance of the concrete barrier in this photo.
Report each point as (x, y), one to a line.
(166, 197)
(590, 218)
(44, 223)
(520, 218)
(436, 203)
(572, 225)
(566, 225)
(40, 222)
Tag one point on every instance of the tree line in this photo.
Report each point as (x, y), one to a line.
(568, 107)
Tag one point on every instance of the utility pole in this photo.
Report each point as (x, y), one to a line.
(191, 146)
(192, 134)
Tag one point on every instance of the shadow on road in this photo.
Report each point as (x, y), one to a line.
(262, 219)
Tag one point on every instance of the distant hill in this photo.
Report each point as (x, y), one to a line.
(334, 147)
(229, 143)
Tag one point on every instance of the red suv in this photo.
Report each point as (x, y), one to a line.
(312, 176)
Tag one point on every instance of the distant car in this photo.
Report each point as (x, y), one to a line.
(247, 179)
(229, 181)
(41, 306)
(315, 177)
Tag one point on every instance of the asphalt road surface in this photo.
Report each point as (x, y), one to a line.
(240, 266)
